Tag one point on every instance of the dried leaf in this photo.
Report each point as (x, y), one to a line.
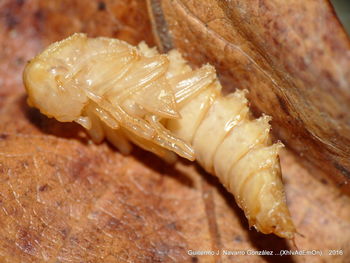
(63, 199)
(293, 57)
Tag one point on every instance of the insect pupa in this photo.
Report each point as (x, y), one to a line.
(156, 101)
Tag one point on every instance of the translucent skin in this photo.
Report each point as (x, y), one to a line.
(158, 102)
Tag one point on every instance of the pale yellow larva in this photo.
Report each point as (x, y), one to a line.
(158, 102)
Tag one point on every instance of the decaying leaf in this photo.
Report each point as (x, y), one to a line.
(293, 57)
(63, 199)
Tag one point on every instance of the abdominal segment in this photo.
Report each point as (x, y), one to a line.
(128, 94)
(237, 148)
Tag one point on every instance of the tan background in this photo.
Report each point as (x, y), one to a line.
(63, 199)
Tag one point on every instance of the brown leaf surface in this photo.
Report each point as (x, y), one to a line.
(63, 199)
(293, 57)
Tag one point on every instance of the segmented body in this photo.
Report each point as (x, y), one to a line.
(158, 102)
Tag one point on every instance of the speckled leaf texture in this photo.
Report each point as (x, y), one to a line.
(64, 199)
